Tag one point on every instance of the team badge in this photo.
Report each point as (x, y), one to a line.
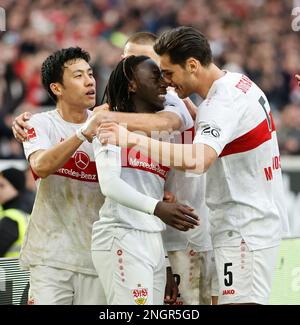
(140, 295)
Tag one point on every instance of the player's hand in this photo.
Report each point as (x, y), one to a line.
(20, 125)
(115, 134)
(176, 215)
(169, 197)
(297, 76)
(171, 290)
(192, 108)
(100, 114)
(101, 108)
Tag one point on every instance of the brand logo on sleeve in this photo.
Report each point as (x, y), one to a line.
(31, 134)
(210, 130)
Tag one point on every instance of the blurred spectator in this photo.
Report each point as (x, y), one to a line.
(289, 130)
(13, 212)
(254, 37)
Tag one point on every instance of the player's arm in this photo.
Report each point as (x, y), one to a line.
(146, 122)
(196, 158)
(47, 162)
(108, 164)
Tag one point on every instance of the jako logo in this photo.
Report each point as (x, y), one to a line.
(296, 20)
(2, 20)
(228, 292)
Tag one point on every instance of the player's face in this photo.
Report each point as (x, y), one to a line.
(176, 76)
(139, 49)
(79, 87)
(150, 86)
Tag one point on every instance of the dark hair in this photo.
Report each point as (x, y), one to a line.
(53, 67)
(182, 43)
(116, 92)
(142, 38)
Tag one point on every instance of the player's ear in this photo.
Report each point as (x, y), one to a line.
(132, 86)
(56, 88)
(192, 65)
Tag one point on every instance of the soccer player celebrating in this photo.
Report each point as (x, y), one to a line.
(127, 247)
(56, 249)
(236, 144)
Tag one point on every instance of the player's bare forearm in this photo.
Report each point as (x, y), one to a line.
(149, 122)
(195, 158)
(47, 162)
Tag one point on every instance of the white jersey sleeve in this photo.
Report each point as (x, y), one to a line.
(216, 123)
(108, 162)
(38, 135)
(175, 105)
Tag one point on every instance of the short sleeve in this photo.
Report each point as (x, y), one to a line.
(38, 135)
(217, 122)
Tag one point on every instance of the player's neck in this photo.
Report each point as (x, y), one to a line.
(141, 106)
(71, 114)
(208, 76)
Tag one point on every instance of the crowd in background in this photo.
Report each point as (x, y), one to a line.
(254, 37)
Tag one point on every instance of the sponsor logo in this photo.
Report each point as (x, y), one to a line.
(31, 134)
(228, 292)
(140, 295)
(210, 130)
(146, 165)
(82, 160)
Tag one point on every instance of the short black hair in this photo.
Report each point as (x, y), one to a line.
(182, 43)
(53, 67)
(116, 92)
(142, 38)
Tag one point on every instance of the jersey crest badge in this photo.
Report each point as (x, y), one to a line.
(140, 295)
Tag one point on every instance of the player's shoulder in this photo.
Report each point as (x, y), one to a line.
(224, 91)
(44, 116)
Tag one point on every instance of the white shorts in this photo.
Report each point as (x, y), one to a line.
(244, 276)
(193, 274)
(53, 286)
(133, 271)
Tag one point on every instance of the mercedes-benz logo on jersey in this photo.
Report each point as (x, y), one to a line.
(210, 129)
(81, 159)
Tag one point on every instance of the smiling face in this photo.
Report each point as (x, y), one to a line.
(177, 76)
(78, 87)
(148, 85)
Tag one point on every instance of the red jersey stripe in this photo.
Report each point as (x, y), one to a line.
(250, 140)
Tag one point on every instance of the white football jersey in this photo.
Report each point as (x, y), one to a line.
(244, 186)
(67, 202)
(189, 189)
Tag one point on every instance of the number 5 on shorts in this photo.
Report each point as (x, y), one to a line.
(228, 277)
